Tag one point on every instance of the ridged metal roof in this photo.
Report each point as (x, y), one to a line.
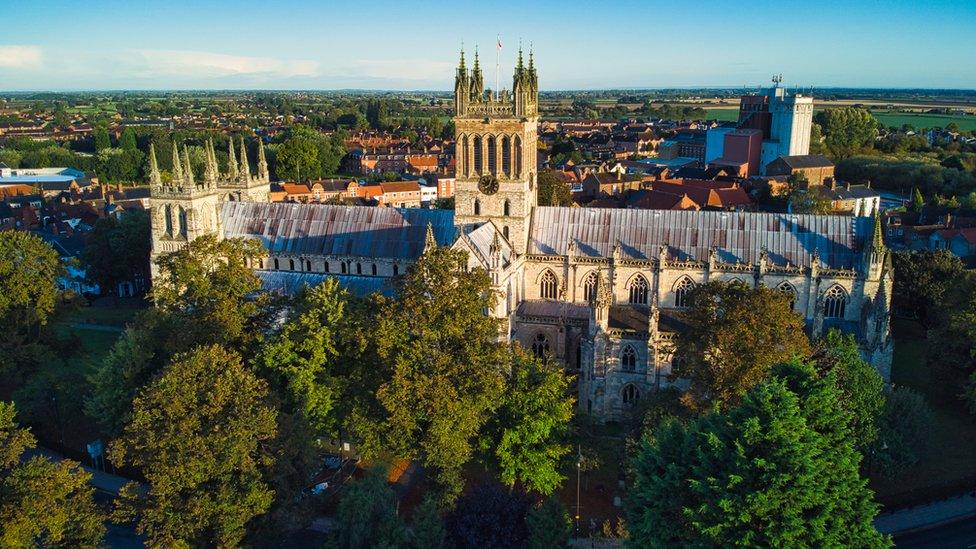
(321, 229)
(737, 236)
(481, 237)
(289, 282)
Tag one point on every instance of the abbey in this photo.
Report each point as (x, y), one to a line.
(598, 290)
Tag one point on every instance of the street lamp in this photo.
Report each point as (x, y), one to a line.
(579, 467)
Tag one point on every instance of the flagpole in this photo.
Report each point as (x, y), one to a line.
(498, 49)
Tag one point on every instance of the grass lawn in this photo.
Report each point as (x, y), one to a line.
(921, 120)
(949, 466)
(724, 115)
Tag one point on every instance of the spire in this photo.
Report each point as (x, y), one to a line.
(461, 65)
(520, 66)
(210, 167)
(877, 239)
(244, 172)
(154, 178)
(187, 167)
(430, 243)
(262, 162)
(477, 65)
(531, 60)
(231, 161)
(177, 167)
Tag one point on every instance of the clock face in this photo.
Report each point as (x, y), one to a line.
(488, 184)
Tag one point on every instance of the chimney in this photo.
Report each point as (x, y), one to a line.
(848, 185)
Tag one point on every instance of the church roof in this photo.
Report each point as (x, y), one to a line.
(323, 229)
(737, 236)
(289, 282)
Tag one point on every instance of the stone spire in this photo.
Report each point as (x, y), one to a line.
(262, 162)
(430, 243)
(177, 167)
(210, 169)
(231, 161)
(187, 168)
(477, 80)
(154, 179)
(244, 172)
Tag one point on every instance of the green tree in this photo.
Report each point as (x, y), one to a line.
(923, 280)
(905, 432)
(297, 159)
(367, 515)
(296, 361)
(549, 525)
(526, 434)
(117, 250)
(809, 201)
(446, 361)
(918, 202)
(489, 516)
(849, 130)
(734, 336)
(816, 139)
(127, 141)
(199, 434)
(29, 272)
(553, 190)
(778, 469)
(860, 388)
(42, 503)
(102, 140)
(427, 527)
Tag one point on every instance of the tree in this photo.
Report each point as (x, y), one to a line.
(29, 272)
(816, 139)
(427, 526)
(208, 286)
(923, 280)
(849, 130)
(488, 517)
(367, 514)
(119, 165)
(199, 434)
(952, 340)
(918, 202)
(297, 359)
(553, 191)
(809, 201)
(42, 503)
(860, 388)
(297, 159)
(777, 469)
(440, 364)
(734, 336)
(533, 417)
(905, 432)
(127, 141)
(549, 525)
(102, 140)
(117, 250)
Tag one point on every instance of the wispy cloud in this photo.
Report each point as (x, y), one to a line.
(401, 69)
(149, 63)
(20, 57)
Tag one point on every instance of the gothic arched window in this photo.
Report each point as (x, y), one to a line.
(183, 229)
(518, 156)
(507, 156)
(638, 290)
(628, 359)
(308, 265)
(477, 155)
(359, 268)
(540, 345)
(507, 207)
(835, 302)
(789, 291)
(477, 207)
(464, 155)
(291, 264)
(682, 292)
(343, 267)
(276, 264)
(168, 213)
(589, 286)
(492, 156)
(396, 269)
(325, 266)
(374, 269)
(630, 394)
(548, 286)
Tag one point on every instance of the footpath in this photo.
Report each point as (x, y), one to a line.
(928, 515)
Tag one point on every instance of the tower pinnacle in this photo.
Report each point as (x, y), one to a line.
(154, 179)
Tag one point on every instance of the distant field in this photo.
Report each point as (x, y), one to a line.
(920, 121)
(725, 115)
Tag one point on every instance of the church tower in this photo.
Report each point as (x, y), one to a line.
(496, 166)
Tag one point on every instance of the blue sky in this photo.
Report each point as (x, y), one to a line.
(379, 44)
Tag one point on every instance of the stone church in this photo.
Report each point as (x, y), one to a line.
(598, 290)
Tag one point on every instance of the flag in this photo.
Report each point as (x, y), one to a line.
(499, 43)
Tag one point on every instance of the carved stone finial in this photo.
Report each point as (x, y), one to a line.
(154, 179)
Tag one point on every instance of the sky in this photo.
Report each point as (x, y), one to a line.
(414, 44)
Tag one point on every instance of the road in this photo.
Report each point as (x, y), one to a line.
(959, 535)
